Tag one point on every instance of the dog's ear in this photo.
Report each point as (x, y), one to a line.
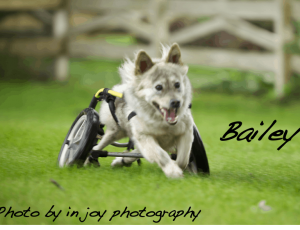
(143, 63)
(174, 55)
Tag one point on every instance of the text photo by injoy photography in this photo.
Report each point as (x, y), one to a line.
(149, 112)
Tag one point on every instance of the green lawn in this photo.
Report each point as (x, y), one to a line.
(35, 117)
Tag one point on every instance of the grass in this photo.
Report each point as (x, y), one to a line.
(35, 118)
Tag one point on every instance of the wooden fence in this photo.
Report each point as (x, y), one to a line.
(150, 20)
(50, 41)
(225, 15)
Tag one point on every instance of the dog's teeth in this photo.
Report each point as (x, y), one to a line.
(169, 119)
(164, 112)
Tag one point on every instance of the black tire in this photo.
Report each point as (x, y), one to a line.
(198, 153)
(80, 139)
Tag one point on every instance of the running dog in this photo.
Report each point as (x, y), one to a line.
(159, 92)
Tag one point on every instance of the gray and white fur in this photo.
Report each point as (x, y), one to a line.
(160, 92)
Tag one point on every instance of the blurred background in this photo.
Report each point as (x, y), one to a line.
(244, 65)
(238, 46)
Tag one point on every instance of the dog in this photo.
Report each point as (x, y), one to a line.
(159, 92)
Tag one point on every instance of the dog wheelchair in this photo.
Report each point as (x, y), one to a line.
(86, 130)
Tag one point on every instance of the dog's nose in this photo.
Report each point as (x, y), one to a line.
(174, 103)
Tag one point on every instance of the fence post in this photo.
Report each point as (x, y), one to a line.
(60, 32)
(284, 32)
(160, 24)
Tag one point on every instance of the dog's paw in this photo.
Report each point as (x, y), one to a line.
(192, 168)
(172, 170)
(119, 162)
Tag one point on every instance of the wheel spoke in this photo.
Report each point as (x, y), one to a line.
(71, 154)
(79, 133)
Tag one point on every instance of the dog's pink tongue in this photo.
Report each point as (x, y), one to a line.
(170, 115)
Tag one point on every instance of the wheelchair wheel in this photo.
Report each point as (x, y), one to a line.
(80, 139)
(198, 154)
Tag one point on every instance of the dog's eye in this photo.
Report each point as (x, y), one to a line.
(177, 85)
(158, 87)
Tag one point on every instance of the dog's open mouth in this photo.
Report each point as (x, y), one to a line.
(170, 115)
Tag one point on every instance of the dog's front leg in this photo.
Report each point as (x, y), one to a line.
(184, 146)
(152, 152)
(107, 139)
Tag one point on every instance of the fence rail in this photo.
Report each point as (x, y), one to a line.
(225, 15)
(8, 5)
(255, 10)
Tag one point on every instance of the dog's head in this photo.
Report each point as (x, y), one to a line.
(163, 84)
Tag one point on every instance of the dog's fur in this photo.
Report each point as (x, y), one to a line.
(153, 134)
